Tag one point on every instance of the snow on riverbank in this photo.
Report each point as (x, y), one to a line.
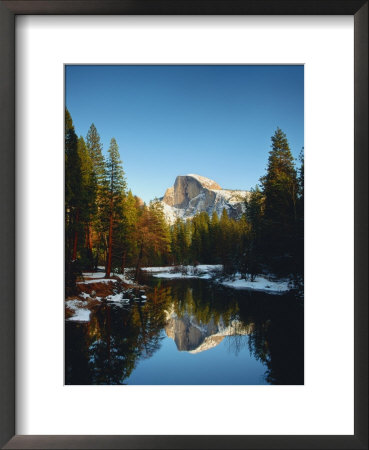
(207, 271)
(117, 298)
(98, 280)
(171, 272)
(94, 274)
(80, 313)
(99, 277)
(125, 279)
(173, 269)
(259, 284)
(174, 275)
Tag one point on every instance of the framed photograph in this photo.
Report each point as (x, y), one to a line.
(192, 269)
(185, 200)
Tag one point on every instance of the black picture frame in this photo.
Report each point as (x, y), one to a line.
(8, 12)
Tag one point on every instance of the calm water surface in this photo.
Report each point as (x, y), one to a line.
(189, 331)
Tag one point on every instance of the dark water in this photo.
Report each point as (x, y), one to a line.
(189, 331)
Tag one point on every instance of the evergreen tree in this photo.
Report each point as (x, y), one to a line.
(114, 188)
(301, 179)
(125, 242)
(95, 148)
(178, 242)
(160, 247)
(73, 183)
(88, 202)
(200, 244)
(144, 237)
(214, 237)
(224, 241)
(253, 246)
(299, 250)
(280, 189)
(152, 235)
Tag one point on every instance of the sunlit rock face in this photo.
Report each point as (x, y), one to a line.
(192, 194)
(169, 196)
(187, 187)
(194, 337)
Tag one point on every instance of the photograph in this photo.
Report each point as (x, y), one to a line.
(184, 225)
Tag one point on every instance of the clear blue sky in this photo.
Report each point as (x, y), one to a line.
(214, 121)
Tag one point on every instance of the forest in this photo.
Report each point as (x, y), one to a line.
(107, 225)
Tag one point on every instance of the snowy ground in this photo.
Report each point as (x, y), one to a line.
(103, 280)
(94, 275)
(81, 314)
(259, 284)
(79, 309)
(212, 271)
(201, 271)
(117, 299)
(99, 277)
(125, 279)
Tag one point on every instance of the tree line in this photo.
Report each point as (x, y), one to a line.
(268, 238)
(106, 225)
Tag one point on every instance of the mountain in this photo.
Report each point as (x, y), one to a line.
(192, 336)
(192, 194)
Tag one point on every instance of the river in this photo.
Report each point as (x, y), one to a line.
(189, 332)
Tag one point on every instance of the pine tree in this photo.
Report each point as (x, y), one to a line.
(144, 237)
(253, 245)
(224, 240)
(299, 249)
(160, 228)
(73, 183)
(177, 241)
(180, 241)
(95, 148)
(125, 242)
(280, 189)
(114, 189)
(301, 179)
(214, 237)
(73, 179)
(200, 244)
(254, 211)
(88, 201)
(152, 235)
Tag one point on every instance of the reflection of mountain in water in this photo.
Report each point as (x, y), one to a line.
(194, 337)
(198, 316)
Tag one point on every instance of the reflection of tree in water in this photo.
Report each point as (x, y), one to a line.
(275, 325)
(203, 302)
(278, 342)
(237, 343)
(109, 347)
(202, 317)
(114, 340)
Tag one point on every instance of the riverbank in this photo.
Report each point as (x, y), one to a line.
(93, 289)
(215, 273)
